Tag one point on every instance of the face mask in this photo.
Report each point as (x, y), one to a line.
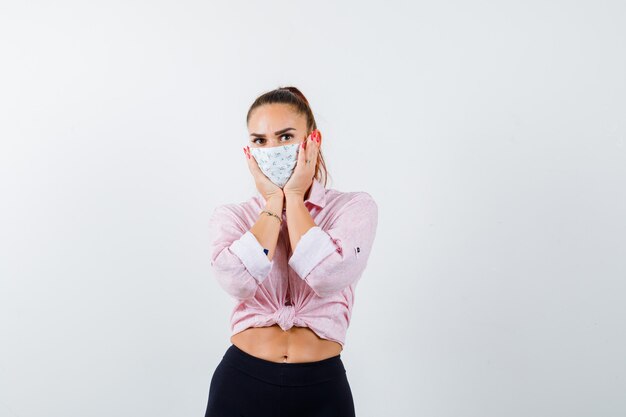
(278, 162)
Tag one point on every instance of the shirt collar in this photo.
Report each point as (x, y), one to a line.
(317, 194)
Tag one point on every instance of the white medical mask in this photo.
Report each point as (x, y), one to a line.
(278, 162)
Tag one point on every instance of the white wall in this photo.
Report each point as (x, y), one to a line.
(492, 135)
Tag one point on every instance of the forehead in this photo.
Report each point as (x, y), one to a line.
(271, 117)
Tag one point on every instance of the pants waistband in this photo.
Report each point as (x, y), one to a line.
(289, 374)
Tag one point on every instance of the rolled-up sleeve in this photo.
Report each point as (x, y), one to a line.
(332, 259)
(237, 258)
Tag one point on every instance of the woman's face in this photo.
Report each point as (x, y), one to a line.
(276, 125)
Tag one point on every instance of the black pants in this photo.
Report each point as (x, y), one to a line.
(246, 386)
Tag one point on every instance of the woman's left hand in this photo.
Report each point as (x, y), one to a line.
(302, 176)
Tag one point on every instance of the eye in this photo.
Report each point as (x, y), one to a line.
(289, 136)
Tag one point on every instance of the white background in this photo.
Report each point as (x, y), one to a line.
(491, 134)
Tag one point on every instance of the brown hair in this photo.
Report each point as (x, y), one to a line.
(294, 97)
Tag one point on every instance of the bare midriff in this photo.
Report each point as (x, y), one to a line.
(298, 344)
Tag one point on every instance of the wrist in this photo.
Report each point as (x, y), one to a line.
(294, 197)
(292, 200)
(275, 197)
(275, 202)
(275, 193)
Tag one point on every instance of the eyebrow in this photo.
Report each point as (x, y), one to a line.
(278, 132)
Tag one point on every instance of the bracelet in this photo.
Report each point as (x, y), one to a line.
(271, 214)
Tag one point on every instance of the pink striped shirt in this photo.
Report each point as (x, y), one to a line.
(312, 287)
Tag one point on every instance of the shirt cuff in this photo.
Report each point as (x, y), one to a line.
(312, 248)
(250, 252)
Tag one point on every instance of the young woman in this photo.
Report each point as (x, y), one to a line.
(291, 257)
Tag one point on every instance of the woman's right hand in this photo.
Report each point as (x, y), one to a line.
(265, 186)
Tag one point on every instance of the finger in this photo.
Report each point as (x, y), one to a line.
(305, 142)
(252, 163)
(302, 153)
(312, 150)
(247, 155)
(246, 151)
